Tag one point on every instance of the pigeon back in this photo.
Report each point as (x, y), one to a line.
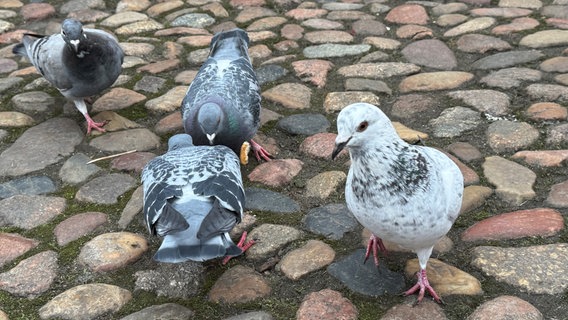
(225, 93)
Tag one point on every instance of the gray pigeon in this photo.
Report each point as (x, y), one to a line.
(407, 194)
(79, 62)
(193, 197)
(222, 104)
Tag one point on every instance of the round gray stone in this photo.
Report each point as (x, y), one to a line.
(265, 200)
(455, 121)
(105, 189)
(27, 185)
(269, 73)
(331, 221)
(306, 124)
(76, 170)
(193, 20)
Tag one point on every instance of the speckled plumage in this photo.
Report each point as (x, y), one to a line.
(406, 194)
(79, 62)
(223, 101)
(193, 196)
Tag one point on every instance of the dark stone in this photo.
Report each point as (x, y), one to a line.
(507, 59)
(27, 185)
(307, 124)
(173, 280)
(269, 73)
(366, 278)
(266, 200)
(150, 84)
(331, 221)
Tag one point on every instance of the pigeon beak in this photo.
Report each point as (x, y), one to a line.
(338, 148)
(75, 45)
(211, 138)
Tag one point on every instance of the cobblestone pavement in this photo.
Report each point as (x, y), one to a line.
(486, 81)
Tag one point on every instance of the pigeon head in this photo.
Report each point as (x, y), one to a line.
(72, 33)
(179, 141)
(211, 119)
(358, 124)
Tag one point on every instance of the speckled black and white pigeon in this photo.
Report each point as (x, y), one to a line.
(79, 62)
(222, 104)
(193, 197)
(407, 194)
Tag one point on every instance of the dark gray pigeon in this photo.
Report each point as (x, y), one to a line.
(193, 197)
(222, 104)
(79, 62)
(407, 194)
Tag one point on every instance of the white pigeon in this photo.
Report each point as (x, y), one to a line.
(222, 104)
(79, 62)
(407, 194)
(193, 197)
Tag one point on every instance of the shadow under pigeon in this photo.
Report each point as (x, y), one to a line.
(366, 278)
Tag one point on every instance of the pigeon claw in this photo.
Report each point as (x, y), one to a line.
(241, 244)
(259, 151)
(375, 244)
(421, 286)
(95, 125)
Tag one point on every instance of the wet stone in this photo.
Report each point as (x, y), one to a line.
(430, 53)
(97, 299)
(150, 84)
(326, 304)
(270, 73)
(172, 280)
(331, 221)
(33, 102)
(479, 43)
(112, 251)
(31, 185)
(134, 139)
(32, 276)
(366, 278)
(312, 256)
(489, 101)
(513, 181)
(239, 284)
(30, 211)
(506, 307)
(542, 222)
(336, 101)
(507, 59)
(333, 50)
(258, 199)
(324, 184)
(76, 170)
(305, 123)
(40, 146)
(272, 238)
(13, 245)
(78, 226)
(453, 122)
(511, 77)
(506, 136)
(171, 311)
(517, 267)
(290, 95)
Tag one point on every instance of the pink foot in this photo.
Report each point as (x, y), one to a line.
(421, 286)
(375, 243)
(244, 246)
(91, 124)
(259, 151)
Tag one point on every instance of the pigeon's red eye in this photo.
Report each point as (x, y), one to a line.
(362, 126)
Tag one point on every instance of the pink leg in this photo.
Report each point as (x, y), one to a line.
(91, 124)
(259, 151)
(375, 243)
(422, 285)
(244, 246)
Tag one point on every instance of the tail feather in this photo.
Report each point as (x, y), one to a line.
(20, 50)
(175, 249)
